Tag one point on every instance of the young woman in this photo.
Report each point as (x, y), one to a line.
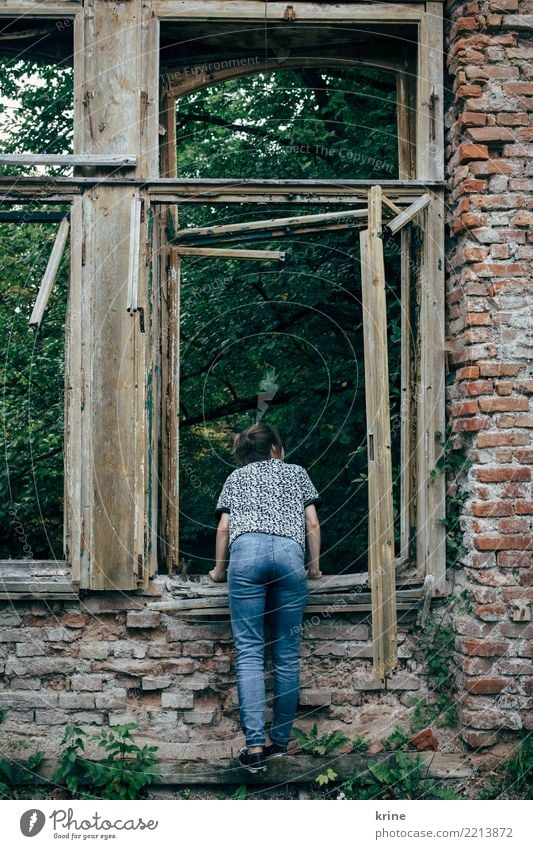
(267, 515)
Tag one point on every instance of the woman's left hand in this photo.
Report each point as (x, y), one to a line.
(217, 577)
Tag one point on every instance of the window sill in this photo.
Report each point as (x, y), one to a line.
(35, 579)
(197, 596)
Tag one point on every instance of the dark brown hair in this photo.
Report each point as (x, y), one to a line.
(254, 443)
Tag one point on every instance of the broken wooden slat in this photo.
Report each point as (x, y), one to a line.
(232, 253)
(406, 215)
(228, 231)
(408, 608)
(381, 565)
(50, 274)
(97, 160)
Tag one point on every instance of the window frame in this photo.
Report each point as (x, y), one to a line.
(422, 119)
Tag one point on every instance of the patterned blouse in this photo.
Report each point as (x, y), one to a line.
(267, 496)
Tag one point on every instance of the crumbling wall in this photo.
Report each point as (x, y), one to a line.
(107, 659)
(490, 253)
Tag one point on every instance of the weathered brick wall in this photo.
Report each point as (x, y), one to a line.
(105, 660)
(489, 280)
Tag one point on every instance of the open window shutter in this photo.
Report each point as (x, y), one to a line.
(380, 526)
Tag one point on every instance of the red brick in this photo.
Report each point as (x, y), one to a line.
(492, 369)
(500, 542)
(479, 739)
(494, 475)
(467, 373)
(492, 508)
(475, 423)
(488, 440)
(512, 119)
(504, 387)
(513, 526)
(519, 88)
(524, 508)
(478, 318)
(524, 455)
(494, 579)
(503, 405)
(491, 134)
(525, 386)
(515, 560)
(467, 152)
(503, 455)
(483, 686)
(503, 5)
(523, 420)
(527, 649)
(483, 648)
(479, 387)
(490, 612)
(523, 219)
(464, 408)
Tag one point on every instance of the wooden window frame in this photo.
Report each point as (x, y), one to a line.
(421, 168)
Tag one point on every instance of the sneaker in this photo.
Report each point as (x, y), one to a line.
(252, 762)
(275, 750)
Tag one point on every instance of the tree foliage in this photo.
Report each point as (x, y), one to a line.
(257, 340)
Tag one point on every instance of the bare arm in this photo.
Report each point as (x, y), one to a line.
(218, 574)
(312, 527)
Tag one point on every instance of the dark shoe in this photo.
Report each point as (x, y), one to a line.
(275, 750)
(252, 762)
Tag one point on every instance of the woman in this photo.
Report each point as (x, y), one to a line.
(267, 513)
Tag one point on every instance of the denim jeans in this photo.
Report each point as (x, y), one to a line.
(266, 574)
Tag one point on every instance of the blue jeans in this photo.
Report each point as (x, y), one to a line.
(266, 574)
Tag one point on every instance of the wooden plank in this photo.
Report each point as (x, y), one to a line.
(232, 253)
(406, 99)
(328, 600)
(112, 466)
(380, 527)
(232, 231)
(123, 161)
(406, 215)
(173, 396)
(141, 358)
(429, 106)
(73, 397)
(29, 9)
(434, 412)
(28, 568)
(401, 606)
(407, 452)
(50, 274)
(305, 13)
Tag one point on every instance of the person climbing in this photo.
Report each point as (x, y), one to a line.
(267, 513)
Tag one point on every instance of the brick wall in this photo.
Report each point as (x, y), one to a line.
(490, 252)
(105, 660)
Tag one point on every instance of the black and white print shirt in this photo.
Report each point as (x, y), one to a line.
(267, 496)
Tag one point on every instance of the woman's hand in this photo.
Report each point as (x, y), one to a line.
(314, 574)
(217, 576)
